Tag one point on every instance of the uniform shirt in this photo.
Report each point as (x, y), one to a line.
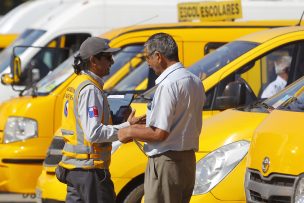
(176, 108)
(90, 111)
(274, 87)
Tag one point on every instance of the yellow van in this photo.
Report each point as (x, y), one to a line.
(220, 160)
(28, 123)
(128, 163)
(274, 164)
(226, 137)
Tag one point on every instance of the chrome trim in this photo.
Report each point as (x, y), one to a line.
(274, 187)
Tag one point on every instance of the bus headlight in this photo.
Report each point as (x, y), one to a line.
(214, 167)
(299, 195)
(20, 128)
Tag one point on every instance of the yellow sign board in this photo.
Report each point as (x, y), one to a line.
(209, 10)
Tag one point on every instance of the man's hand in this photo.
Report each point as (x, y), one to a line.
(136, 120)
(123, 135)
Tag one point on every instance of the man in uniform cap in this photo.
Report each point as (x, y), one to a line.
(87, 127)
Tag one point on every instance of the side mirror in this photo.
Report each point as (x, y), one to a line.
(233, 95)
(7, 79)
(16, 69)
(14, 77)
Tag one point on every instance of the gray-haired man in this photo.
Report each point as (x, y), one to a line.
(173, 126)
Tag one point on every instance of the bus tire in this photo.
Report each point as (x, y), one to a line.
(135, 195)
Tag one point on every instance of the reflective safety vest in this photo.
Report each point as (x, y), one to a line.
(77, 151)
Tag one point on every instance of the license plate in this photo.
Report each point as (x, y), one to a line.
(13, 197)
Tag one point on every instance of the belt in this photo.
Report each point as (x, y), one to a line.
(171, 152)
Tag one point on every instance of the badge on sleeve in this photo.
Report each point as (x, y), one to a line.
(93, 111)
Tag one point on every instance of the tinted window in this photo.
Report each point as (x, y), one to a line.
(220, 57)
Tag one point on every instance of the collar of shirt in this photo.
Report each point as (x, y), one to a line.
(169, 70)
(93, 75)
(281, 81)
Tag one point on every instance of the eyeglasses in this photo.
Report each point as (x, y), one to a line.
(147, 56)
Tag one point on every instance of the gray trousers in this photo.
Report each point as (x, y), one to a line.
(90, 186)
(170, 177)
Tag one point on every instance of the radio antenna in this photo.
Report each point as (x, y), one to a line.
(299, 23)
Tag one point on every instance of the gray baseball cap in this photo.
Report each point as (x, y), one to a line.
(95, 45)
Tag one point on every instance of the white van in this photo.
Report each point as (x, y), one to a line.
(67, 26)
(24, 15)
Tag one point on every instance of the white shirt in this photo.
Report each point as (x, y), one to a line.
(176, 108)
(90, 99)
(274, 87)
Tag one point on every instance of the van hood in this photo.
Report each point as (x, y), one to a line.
(280, 138)
(234, 125)
(27, 106)
(6, 108)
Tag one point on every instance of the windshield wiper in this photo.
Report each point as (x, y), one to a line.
(260, 104)
(266, 106)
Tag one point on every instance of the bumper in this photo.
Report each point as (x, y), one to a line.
(19, 178)
(20, 165)
(49, 189)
